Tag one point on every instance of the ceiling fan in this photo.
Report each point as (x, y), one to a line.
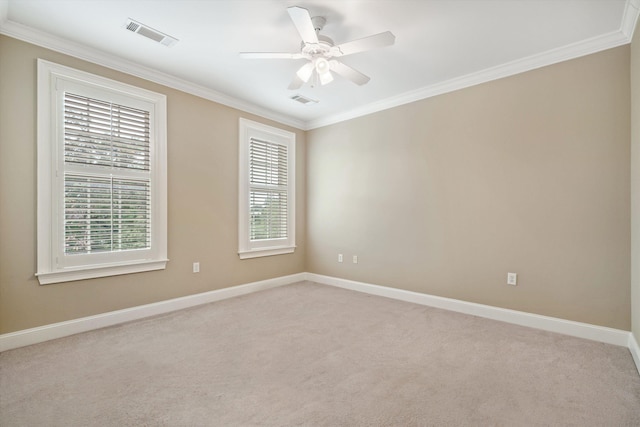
(320, 51)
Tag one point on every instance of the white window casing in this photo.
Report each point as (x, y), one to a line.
(266, 190)
(102, 176)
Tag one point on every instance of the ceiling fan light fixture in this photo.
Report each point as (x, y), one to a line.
(322, 65)
(325, 78)
(305, 72)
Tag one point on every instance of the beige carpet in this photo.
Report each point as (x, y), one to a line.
(313, 355)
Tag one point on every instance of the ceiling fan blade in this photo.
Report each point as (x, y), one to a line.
(366, 43)
(302, 20)
(349, 73)
(270, 55)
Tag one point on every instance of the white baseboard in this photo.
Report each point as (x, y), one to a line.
(634, 348)
(552, 324)
(582, 330)
(58, 330)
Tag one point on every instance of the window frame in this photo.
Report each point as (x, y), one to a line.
(53, 266)
(266, 247)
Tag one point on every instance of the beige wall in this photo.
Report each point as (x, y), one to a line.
(635, 183)
(527, 174)
(202, 170)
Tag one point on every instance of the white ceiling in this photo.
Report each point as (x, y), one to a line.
(441, 45)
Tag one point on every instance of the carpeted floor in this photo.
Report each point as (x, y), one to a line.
(314, 355)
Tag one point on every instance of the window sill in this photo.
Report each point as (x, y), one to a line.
(99, 271)
(256, 253)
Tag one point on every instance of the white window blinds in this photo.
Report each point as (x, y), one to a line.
(100, 133)
(107, 180)
(268, 190)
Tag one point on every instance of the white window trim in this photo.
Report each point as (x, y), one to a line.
(247, 248)
(49, 247)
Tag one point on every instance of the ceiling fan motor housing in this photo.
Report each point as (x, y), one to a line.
(324, 45)
(318, 23)
(322, 48)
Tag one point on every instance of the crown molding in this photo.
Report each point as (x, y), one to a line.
(518, 66)
(630, 18)
(48, 41)
(572, 51)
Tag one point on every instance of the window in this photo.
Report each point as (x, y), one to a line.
(101, 176)
(267, 190)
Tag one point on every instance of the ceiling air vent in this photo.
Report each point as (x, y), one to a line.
(150, 33)
(303, 99)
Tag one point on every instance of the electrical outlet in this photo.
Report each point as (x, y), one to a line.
(339, 257)
(355, 259)
(196, 267)
(512, 279)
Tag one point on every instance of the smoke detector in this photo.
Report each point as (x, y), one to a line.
(150, 33)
